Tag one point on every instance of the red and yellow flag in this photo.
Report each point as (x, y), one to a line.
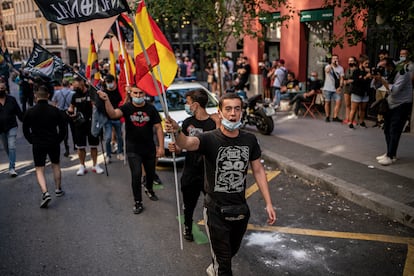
(112, 60)
(127, 70)
(167, 63)
(142, 20)
(92, 67)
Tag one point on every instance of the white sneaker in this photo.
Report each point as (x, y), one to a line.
(210, 270)
(385, 161)
(292, 116)
(120, 156)
(81, 171)
(12, 173)
(381, 156)
(97, 169)
(108, 159)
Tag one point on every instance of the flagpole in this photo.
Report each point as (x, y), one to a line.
(163, 103)
(121, 46)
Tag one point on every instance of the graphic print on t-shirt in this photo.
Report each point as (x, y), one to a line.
(193, 131)
(231, 163)
(139, 118)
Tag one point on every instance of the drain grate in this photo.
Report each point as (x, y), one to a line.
(319, 166)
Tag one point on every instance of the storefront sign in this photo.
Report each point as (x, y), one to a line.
(316, 15)
(269, 17)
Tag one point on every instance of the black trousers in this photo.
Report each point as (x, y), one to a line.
(191, 189)
(225, 239)
(135, 161)
(394, 121)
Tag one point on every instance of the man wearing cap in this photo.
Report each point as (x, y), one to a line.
(81, 106)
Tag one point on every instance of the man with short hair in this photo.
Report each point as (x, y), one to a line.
(9, 110)
(332, 88)
(227, 151)
(44, 127)
(140, 119)
(110, 87)
(62, 99)
(280, 74)
(81, 103)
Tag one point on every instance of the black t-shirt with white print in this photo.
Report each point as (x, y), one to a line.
(227, 160)
(194, 162)
(139, 122)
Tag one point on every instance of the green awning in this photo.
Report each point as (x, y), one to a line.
(268, 17)
(316, 15)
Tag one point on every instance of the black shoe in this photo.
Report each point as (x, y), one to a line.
(336, 119)
(351, 126)
(59, 192)
(188, 236)
(66, 153)
(151, 195)
(157, 180)
(138, 208)
(327, 119)
(143, 180)
(45, 200)
(363, 124)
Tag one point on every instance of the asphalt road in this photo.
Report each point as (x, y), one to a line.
(92, 231)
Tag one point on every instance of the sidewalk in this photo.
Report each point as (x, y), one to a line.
(343, 160)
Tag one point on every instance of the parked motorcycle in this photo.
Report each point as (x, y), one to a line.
(258, 113)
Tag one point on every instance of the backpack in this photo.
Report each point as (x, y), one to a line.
(285, 79)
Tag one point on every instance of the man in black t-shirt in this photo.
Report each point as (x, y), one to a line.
(140, 119)
(314, 88)
(192, 179)
(227, 152)
(81, 104)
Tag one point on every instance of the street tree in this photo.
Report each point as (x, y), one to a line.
(392, 21)
(218, 20)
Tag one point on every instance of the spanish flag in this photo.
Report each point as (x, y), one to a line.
(167, 62)
(127, 70)
(92, 67)
(112, 60)
(142, 20)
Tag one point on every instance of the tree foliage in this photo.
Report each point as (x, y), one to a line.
(386, 20)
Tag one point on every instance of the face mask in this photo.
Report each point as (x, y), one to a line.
(138, 100)
(110, 85)
(312, 78)
(2, 93)
(230, 126)
(78, 90)
(188, 110)
(402, 58)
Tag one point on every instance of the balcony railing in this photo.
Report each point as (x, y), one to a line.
(7, 5)
(49, 42)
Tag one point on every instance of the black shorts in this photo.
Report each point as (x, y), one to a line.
(41, 151)
(83, 134)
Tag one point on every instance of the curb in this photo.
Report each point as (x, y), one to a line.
(392, 209)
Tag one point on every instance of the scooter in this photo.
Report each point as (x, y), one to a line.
(256, 112)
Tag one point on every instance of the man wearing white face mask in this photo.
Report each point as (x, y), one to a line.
(227, 151)
(140, 119)
(192, 178)
(111, 88)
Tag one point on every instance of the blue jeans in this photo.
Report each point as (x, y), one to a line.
(108, 136)
(9, 142)
(277, 96)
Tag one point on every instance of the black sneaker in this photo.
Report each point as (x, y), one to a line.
(143, 180)
(351, 126)
(188, 236)
(59, 192)
(327, 119)
(138, 208)
(336, 119)
(151, 195)
(157, 180)
(45, 200)
(363, 124)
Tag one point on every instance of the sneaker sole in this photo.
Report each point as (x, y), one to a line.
(60, 194)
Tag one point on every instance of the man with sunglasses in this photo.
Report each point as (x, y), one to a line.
(140, 119)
